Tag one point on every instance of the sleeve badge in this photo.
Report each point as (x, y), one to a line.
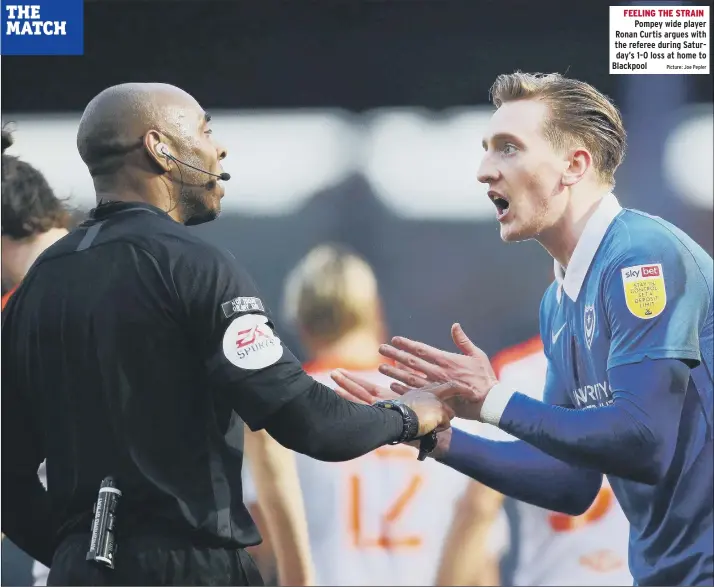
(645, 292)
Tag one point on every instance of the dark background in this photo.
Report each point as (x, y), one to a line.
(300, 53)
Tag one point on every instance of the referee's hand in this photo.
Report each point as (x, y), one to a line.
(431, 411)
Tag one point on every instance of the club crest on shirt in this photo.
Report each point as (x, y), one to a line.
(589, 324)
(645, 292)
(250, 343)
(241, 305)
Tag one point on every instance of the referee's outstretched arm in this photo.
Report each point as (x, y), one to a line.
(266, 384)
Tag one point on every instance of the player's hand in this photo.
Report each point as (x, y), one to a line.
(418, 364)
(428, 402)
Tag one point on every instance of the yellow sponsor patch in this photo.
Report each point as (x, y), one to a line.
(645, 292)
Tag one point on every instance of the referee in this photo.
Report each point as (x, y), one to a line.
(134, 349)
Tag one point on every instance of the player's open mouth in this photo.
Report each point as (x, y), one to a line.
(501, 203)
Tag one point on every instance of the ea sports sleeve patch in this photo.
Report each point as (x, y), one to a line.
(250, 343)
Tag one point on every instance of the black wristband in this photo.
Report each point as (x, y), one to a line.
(411, 420)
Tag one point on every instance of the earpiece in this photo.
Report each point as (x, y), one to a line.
(163, 150)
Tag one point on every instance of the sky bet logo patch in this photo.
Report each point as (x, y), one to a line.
(645, 291)
(642, 271)
(44, 27)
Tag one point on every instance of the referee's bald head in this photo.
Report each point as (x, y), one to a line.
(153, 139)
(116, 121)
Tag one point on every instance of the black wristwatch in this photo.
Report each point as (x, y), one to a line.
(411, 427)
(411, 420)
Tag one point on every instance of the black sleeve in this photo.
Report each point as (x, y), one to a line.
(247, 364)
(26, 513)
(326, 427)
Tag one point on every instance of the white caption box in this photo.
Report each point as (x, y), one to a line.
(659, 39)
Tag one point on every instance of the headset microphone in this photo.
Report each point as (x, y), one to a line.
(165, 152)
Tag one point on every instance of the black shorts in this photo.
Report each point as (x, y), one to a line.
(153, 560)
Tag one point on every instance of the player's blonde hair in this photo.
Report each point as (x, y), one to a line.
(330, 292)
(578, 113)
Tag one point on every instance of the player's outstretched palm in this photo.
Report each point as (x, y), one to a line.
(418, 364)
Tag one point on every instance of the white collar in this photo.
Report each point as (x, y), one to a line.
(572, 280)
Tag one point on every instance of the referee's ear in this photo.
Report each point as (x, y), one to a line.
(157, 150)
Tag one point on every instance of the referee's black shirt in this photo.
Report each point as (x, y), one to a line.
(141, 350)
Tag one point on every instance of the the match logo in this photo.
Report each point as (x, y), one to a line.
(45, 27)
(645, 292)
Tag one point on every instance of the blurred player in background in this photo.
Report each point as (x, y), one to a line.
(33, 218)
(380, 519)
(546, 547)
(276, 504)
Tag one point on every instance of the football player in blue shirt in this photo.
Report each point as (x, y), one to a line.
(627, 330)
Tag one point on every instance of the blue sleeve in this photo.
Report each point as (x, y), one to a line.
(648, 399)
(656, 299)
(502, 465)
